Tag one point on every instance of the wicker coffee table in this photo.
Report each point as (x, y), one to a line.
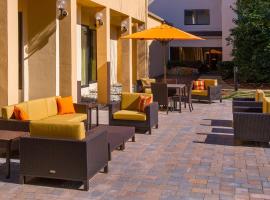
(7, 137)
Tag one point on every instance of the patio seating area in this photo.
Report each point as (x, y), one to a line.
(190, 156)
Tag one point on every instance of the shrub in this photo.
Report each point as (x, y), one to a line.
(226, 69)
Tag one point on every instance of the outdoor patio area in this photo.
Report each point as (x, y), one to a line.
(190, 156)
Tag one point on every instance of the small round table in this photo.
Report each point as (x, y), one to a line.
(7, 137)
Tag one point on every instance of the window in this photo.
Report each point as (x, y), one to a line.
(89, 56)
(197, 17)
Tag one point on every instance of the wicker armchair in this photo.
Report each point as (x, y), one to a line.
(130, 116)
(212, 91)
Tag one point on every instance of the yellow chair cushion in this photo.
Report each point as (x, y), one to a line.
(266, 105)
(130, 101)
(259, 95)
(210, 82)
(200, 92)
(129, 115)
(76, 117)
(146, 82)
(57, 130)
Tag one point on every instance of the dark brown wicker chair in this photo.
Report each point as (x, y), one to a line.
(64, 159)
(186, 98)
(161, 95)
(246, 105)
(151, 117)
(251, 126)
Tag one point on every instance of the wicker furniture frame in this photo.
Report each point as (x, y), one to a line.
(64, 159)
(186, 98)
(161, 95)
(246, 105)
(213, 93)
(17, 125)
(151, 117)
(251, 126)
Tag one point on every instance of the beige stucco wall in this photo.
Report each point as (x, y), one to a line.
(40, 61)
(8, 52)
(135, 9)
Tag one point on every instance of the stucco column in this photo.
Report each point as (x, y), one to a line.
(127, 58)
(68, 52)
(9, 52)
(103, 58)
(142, 64)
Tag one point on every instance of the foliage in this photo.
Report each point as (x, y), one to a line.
(226, 69)
(251, 40)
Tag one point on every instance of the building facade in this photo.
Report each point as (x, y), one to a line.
(210, 19)
(44, 54)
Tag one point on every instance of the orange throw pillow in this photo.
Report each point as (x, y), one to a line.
(20, 114)
(65, 105)
(198, 85)
(144, 102)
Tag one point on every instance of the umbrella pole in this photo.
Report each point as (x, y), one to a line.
(164, 43)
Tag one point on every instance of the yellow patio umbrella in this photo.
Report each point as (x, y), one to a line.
(164, 34)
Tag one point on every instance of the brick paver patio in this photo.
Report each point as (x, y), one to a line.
(191, 156)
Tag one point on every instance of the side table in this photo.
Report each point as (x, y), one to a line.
(7, 137)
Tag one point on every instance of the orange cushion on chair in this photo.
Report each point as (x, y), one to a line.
(144, 102)
(20, 114)
(65, 105)
(198, 85)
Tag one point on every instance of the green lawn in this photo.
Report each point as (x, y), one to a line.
(229, 94)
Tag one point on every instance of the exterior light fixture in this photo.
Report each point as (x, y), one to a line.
(141, 28)
(61, 6)
(99, 19)
(124, 26)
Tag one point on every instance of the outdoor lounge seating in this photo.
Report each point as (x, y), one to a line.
(144, 85)
(249, 104)
(125, 112)
(63, 151)
(210, 92)
(253, 126)
(39, 110)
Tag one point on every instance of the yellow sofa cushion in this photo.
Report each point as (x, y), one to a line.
(266, 105)
(57, 130)
(146, 82)
(76, 117)
(36, 109)
(210, 82)
(130, 101)
(200, 92)
(129, 115)
(259, 95)
(148, 90)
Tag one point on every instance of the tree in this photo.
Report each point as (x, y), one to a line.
(251, 40)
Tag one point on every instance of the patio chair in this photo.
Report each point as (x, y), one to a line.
(186, 98)
(211, 91)
(61, 150)
(125, 113)
(251, 126)
(144, 85)
(161, 95)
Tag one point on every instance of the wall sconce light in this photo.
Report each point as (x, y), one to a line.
(99, 19)
(141, 28)
(61, 6)
(124, 26)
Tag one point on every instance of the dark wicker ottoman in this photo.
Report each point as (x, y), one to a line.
(118, 136)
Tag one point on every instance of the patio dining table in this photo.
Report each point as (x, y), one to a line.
(181, 88)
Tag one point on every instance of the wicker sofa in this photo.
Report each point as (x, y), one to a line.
(124, 113)
(59, 150)
(40, 110)
(211, 92)
(253, 126)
